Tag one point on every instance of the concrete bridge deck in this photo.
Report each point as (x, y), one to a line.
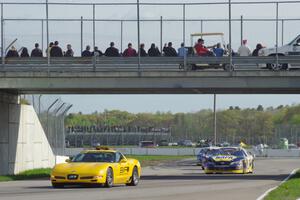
(155, 76)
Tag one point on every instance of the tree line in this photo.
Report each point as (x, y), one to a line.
(250, 125)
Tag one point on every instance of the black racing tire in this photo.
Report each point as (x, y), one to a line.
(109, 178)
(58, 185)
(135, 178)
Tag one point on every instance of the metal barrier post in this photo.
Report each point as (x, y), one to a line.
(121, 36)
(161, 34)
(138, 32)
(2, 36)
(277, 5)
(81, 34)
(201, 26)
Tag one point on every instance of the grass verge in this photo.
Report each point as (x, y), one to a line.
(155, 160)
(27, 175)
(288, 190)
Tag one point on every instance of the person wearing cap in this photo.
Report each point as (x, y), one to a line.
(244, 50)
(112, 51)
(200, 49)
(129, 52)
(12, 52)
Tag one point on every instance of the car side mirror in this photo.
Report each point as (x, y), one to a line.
(68, 160)
(123, 160)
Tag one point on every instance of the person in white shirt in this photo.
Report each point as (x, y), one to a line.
(244, 50)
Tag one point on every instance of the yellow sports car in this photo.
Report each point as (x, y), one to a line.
(102, 166)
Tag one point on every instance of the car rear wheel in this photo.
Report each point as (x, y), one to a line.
(134, 178)
(109, 178)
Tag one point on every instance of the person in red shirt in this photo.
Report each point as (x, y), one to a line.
(201, 50)
(129, 52)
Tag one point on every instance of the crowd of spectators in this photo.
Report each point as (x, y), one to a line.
(54, 50)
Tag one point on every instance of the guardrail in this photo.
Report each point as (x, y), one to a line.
(151, 63)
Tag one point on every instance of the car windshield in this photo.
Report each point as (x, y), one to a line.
(233, 152)
(95, 157)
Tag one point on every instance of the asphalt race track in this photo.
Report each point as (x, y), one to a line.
(181, 180)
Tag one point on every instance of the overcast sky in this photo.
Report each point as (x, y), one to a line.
(69, 32)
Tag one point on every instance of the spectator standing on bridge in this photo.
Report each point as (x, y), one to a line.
(87, 52)
(69, 52)
(153, 51)
(36, 52)
(97, 52)
(48, 50)
(12, 53)
(129, 52)
(24, 52)
(142, 50)
(182, 51)
(244, 50)
(256, 50)
(218, 50)
(170, 51)
(56, 51)
(112, 51)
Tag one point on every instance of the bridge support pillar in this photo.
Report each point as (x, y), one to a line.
(23, 143)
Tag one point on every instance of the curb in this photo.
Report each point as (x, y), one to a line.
(271, 189)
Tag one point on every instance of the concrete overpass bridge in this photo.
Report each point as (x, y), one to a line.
(24, 143)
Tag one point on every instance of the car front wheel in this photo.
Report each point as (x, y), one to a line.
(109, 178)
(134, 178)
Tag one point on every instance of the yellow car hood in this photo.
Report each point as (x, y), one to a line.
(79, 168)
(223, 158)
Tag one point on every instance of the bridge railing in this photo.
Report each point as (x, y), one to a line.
(162, 63)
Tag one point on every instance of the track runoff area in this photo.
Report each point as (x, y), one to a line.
(174, 180)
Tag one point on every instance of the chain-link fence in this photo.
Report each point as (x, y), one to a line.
(51, 111)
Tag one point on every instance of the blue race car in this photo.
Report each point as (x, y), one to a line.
(229, 160)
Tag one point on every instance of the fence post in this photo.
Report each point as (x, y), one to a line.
(94, 26)
(42, 45)
(2, 36)
(230, 36)
(121, 36)
(161, 34)
(277, 35)
(47, 29)
(138, 32)
(282, 32)
(183, 35)
(242, 29)
(81, 35)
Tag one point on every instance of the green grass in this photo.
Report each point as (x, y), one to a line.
(155, 160)
(289, 190)
(27, 175)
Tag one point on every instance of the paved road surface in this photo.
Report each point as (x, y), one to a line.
(181, 180)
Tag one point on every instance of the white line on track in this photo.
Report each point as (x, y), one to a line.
(271, 189)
